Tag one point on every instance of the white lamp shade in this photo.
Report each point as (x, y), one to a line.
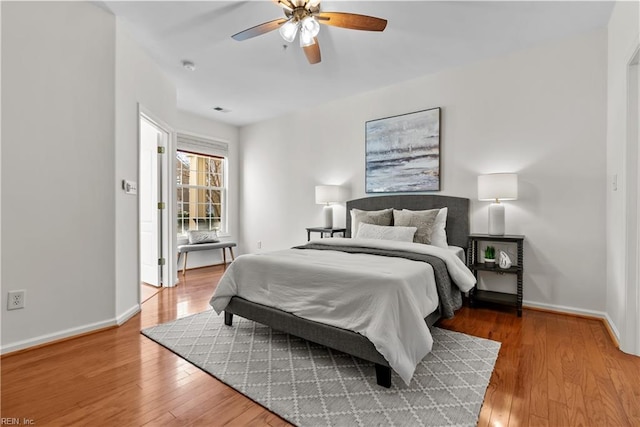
(326, 194)
(311, 25)
(306, 38)
(288, 30)
(498, 186)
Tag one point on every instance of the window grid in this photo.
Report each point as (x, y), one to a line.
(201, 192)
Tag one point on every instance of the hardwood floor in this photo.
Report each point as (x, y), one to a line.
(147, 291)
(553, 370)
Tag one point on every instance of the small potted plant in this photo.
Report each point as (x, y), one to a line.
(490, 256)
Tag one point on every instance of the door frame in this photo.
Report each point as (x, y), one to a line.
(167, 173)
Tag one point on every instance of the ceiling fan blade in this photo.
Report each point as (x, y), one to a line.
(313, 52)
(352, 21)
(259, 29)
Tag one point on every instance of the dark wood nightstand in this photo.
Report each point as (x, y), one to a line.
(323, 230)
(476, 295)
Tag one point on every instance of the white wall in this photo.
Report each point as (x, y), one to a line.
(72, 82)
(623, 39)
(139, 81)
(540, 113)
(211, 129)
(57, 169)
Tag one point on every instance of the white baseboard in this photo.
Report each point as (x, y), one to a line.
(56, 336)
(176, 280)
(565, 309)
(71, 332)
(612, 326)
(128, 314)
(578, 311)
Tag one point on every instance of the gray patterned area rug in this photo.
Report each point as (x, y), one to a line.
(311, 385)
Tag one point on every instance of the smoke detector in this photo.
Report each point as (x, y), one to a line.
(188, 65)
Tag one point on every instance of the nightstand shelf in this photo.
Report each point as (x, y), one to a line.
(481, 267)
(496, 297)
(478, 295)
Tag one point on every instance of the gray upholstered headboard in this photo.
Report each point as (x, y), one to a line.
(457, 216)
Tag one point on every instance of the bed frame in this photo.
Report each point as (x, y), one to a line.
(341, 339)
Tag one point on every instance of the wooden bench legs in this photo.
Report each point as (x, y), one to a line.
(184, 263)
(224, 258)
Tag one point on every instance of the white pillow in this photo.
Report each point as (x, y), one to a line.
(381, 217)
(439, 234)
(203, 236)
(381, 232)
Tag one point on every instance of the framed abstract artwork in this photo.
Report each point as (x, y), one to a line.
(402, 153)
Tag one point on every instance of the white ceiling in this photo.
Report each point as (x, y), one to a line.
(258, 78)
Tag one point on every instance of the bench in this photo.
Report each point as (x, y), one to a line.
(185, 249)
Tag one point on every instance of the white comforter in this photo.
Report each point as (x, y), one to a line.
(383, 298)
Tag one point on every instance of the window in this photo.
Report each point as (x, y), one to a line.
(201, 192)
(201, 184)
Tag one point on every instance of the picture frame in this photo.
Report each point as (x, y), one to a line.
(402, 153)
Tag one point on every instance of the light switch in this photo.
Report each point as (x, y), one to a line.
(615, 182)
(130, 187)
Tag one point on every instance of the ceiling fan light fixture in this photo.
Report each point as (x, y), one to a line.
(306, 39)
(304, 17)
(312, 3)
(288, 30)
(311, 25)
(285, 6)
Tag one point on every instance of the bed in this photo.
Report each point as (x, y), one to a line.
(344, 340)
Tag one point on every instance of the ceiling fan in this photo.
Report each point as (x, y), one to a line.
(304, 17)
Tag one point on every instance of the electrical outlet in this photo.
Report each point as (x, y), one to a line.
(15, 300)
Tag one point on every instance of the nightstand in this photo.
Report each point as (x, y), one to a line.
(323, 230)
(473, 261)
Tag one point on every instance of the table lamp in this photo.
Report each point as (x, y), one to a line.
(496, 187)
(327, 194)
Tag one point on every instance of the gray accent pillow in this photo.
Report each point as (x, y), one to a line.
(423, 220)
(381, 217)
(203, 236)
(383, 232)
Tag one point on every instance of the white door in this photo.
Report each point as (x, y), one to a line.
(150, 137)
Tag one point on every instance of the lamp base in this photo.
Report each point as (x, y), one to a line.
(496, 219)
(328, 216)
